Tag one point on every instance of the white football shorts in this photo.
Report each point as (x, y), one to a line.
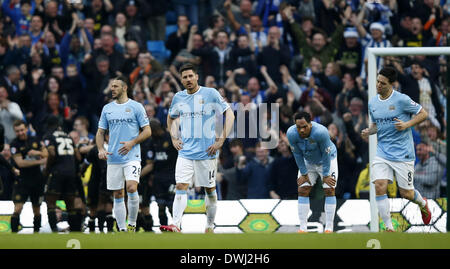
(315, 172)
(117, 174)
(199, 173)
(385, 169)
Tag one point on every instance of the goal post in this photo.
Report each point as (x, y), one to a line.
(372, 73)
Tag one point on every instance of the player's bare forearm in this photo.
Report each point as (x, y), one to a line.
(171, 127)
(229, 121)
(146, 133)
(421, 116)
(373, 129)
(100, 139)
(369, 131)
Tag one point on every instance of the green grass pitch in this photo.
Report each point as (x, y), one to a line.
(227, 241)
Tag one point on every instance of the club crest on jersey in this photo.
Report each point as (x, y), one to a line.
(201, 101)
(311, 141)
(128, 110)
(46, 142)
(13, 150)
(165, 144)
(35, 145)
(391, 107)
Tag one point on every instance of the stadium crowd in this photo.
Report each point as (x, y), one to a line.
(58, 58)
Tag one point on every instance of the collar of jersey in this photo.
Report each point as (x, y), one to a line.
(192, 94)
(123, 103)
(386, 98)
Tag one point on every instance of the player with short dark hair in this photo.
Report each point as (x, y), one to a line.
(62, 175)
(198, 145)
(316, 157)
(29, 153)
(128, 127)
(393, 115)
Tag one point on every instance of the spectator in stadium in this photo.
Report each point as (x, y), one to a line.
(14, 85)
(97, 80)
(349, 56)
(98, 11)
(283, 173)
(218, 57)
(274, 54)
(195, 42)
(131, 55)
(256, 173)
(188, 8)
(242, 56)
(233, 189)
(156, 19)
(20, 12)
(116, 58)
(9, 112)
(178, 40)
(429, 171)
(217, 22)
(71, 50)
(147, 66)
(375, 38)
(416, 36)
(319, 47)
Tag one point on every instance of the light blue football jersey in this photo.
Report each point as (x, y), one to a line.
(317, 149)
(393, 145)
(123, 122)
(197, 114)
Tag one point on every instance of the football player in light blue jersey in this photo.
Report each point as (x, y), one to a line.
(393, 114)
(128, 126)
(198, 146)
(316, 156)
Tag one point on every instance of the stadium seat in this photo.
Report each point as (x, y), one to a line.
(170, 29)
(158, 50)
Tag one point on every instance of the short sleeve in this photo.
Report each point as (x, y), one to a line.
(219, 99)
(409, 106)
(174, 111)
(103, 122)
(141, 116)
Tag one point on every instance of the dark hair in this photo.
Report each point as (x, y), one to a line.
(188, 66)
(302, 115)
(390, 73)
(18, 123)
(236, 143)
(123, 79)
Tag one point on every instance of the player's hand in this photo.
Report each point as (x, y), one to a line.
(103, 155)
(127, 146)
(303, 179)
(177, 143)
(214, 148)
(365, 133)
(400, 125)
(330, 181)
